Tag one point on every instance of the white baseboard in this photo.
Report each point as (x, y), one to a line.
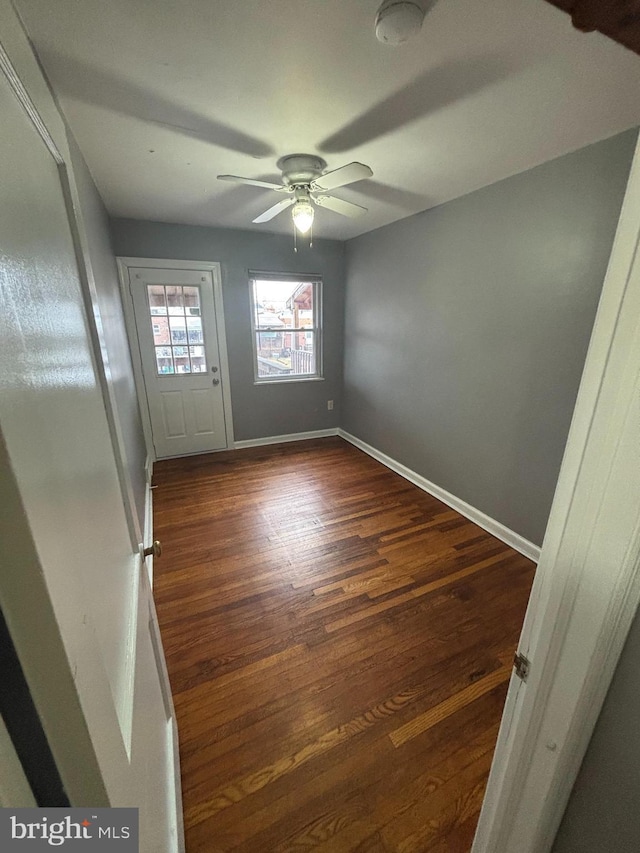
(510, 537)
(281, 439)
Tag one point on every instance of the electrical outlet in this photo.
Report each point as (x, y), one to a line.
(330, 405)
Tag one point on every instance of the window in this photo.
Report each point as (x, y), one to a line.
(176, 325)
(286, 323)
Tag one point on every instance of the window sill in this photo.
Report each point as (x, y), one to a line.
(288, 381)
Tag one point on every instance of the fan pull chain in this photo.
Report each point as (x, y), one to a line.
(295, 238)
(311, 236)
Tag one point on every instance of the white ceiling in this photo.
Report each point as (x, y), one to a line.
(162, 96)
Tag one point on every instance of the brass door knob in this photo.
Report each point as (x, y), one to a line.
(154, 550)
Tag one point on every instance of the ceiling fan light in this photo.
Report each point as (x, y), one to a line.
(302, 214)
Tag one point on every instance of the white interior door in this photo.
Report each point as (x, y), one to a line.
(52, 414)
(72, 588)
(177, 336)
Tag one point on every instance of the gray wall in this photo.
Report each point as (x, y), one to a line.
(603, 814)
(258, 410)
(467, 328)
(116, 342)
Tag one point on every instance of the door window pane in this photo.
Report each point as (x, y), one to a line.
(198, 364)
(192, 301)
(157, 304)
(164, 360)
(160, 326)
(194, 326)
(178, 330)
(175, 302)
(183, 365)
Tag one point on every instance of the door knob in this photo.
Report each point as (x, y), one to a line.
(154, 550)
(215, 381)
(214, 369)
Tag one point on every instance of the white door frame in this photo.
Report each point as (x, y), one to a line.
(213, 267)
(587, 587)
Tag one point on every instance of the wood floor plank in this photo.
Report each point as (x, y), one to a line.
(417, 828)
(338, 644)
(440, 712)
(290, 763)
(412, 594)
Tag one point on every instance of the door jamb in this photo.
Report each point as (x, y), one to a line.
(125, 264)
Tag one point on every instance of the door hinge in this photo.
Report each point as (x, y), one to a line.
(522, 665)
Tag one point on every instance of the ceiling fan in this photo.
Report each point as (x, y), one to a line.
(306, 183)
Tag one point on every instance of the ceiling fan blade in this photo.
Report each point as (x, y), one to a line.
(339, 205)
(265, 184)
(348, 174)
(275, 210)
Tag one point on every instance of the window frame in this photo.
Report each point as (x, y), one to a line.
(295, 278)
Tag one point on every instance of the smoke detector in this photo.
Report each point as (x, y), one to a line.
(397, 22)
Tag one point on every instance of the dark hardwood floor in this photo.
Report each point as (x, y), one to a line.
(339, 645)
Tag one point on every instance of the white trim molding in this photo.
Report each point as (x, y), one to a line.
(505, 534)
(282, 439)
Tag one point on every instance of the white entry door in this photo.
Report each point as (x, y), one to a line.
(175, 316)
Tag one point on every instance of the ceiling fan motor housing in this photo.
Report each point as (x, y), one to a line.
(301, 168)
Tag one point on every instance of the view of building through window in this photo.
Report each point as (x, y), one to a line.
(177, 329)
(286, 328)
